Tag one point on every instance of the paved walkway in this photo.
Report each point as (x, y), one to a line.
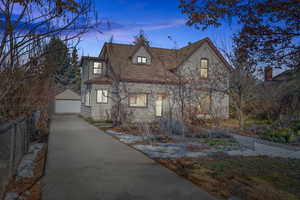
(86, 164)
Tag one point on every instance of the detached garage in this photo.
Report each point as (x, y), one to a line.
(67, 102)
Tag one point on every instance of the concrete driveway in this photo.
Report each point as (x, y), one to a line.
(86, 164)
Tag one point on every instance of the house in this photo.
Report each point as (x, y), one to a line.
(67, 102)
(151, 82)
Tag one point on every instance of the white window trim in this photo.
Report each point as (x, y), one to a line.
(103, 98)
(137, 106)
(204, 68)
(98, 66)
(142, 60)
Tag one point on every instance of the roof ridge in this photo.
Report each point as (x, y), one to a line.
(153, 47)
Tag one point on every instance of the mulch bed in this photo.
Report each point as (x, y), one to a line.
(30, 188)
(197, 148)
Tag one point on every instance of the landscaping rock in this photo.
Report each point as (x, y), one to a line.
(13, 196)
(27, 164)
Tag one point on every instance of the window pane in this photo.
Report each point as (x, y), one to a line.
(203, 73)
(204, 63)
(144, 60)
(132, 99)
(138, 100)
(97, 68)
(139, 59)
(102, 96)
(105, 93)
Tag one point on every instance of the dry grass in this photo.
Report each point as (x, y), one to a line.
(250, 178)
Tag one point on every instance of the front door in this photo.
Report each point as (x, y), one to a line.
(159, 105)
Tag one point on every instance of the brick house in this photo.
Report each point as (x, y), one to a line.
(148, 80)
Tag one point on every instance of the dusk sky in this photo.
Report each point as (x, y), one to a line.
(159, 19)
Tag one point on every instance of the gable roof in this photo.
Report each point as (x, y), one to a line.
(67, 95)
(163, 62)
(187, 51)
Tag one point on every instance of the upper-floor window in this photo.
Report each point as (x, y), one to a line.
(102, 96)
(203, 71)
(138, 100)
(141, 60)
(98, 68)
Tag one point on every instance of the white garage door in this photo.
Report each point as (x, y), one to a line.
(67, 106)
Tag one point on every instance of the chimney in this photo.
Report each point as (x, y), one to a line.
(268, 73)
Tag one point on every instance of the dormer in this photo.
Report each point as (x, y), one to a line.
(141, 55)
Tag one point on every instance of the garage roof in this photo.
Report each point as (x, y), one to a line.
(67, 95)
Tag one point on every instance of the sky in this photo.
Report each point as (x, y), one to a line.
(158, 18)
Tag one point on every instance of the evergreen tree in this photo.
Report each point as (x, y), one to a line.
(58, 58)
(75, 70)
(64, 64)
(141, 38)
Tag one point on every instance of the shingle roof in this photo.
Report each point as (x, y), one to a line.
(120, 58)
(163, 61)
(89, 58)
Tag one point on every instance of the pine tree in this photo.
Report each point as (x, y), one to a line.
(75, 70)
(141, 38)
(64, 64)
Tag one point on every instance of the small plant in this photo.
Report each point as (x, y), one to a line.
(283, 135)
(296, 126)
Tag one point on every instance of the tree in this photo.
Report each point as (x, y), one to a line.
(75, 70)
(26, 26)
(65, 61)
(57, 56)
(141, 38)
(273, 27)
(243, 82)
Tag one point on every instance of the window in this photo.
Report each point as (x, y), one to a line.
(203, 73)
(87, 98)
(142, 60)
(138, 100)
(102, 96)
(204, 103)
(98, 68)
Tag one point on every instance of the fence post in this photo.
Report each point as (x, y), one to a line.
(12, 150)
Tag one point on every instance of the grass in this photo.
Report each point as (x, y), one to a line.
(249, 121)
(248, 178)
(215, 142)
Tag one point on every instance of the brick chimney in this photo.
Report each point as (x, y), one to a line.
(268, 73)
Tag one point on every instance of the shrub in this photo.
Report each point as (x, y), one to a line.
(283, 135)
(296, 126)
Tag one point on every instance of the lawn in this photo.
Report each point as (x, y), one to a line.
(248, 178)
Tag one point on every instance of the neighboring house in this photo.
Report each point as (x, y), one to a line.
(67, 102)
(284, 88)
(152, 81)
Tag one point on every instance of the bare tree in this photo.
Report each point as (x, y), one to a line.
(27, 27)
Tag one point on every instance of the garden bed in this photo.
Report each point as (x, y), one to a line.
(221, 165)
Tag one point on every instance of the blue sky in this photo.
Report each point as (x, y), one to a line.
(158, 18)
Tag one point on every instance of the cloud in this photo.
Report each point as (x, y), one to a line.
(125, 32)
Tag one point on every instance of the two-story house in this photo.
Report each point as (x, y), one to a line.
(151, 82)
